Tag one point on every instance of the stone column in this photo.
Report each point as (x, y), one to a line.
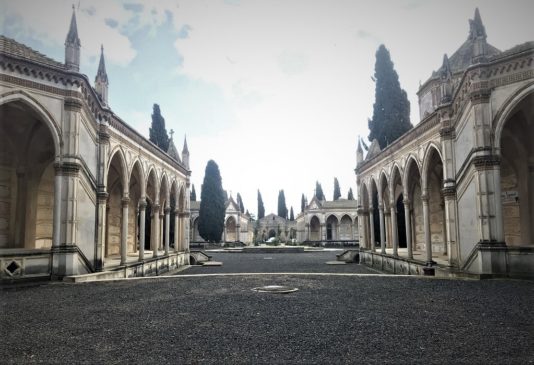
(167, 211)
(408, 228)
(426, 223)
(237, 231)
(161, 229)
(307, 231)
(323, 231)
(371, 229)
(394, 228)
(177, 230)
(124, 229)
(142, 228)
(56, 234)
(155, 231)
(382, 229)
(102, 198)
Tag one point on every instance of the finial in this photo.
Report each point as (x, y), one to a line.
(102, 47)
(73, 8)
(171, 132)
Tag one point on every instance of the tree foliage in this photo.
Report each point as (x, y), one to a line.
(282, 207)
(291, 214)
(337, 190)
(240, 203)
(261, 208)
(302, 203)
(157, 133)
(212, 205)
(350, 195)
(391, 110)
(193, 193)
(319, 191)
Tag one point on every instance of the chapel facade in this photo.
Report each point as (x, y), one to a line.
(328, 222)
(81, 192)
(456, 192)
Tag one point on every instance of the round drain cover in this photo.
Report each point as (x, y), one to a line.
(276, 289)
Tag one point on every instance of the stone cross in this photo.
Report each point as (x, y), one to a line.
(171, 133)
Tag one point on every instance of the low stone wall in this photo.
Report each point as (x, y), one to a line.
(16, 264)
(391, 264)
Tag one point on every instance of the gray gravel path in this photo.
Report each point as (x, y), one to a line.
(220, 320)
(311, 262)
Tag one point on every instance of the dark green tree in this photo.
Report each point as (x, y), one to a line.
(337, 190)
(212, 205)
(158, 133)
(350, 195)
(240, 203)
(391, 110)
(302, 203)
(261, 208)
(282, 207)
(319, 191)
(291, 214)
(193, 194)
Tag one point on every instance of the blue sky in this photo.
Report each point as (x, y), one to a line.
(276, 92)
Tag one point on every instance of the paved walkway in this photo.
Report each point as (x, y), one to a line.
(367, 319)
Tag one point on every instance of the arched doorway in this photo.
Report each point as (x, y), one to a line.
(115, 190)
(436, 204)
(230, 228)
(417, 229)
(27, 152)
(345, 228)
(332, 228)
(517, 174)
(272, 233)
(315, 229)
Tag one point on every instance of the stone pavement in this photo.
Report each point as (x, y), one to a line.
(331, 319)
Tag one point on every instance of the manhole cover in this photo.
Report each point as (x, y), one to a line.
(276, 289)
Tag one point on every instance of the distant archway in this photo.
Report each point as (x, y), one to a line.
(315, 229)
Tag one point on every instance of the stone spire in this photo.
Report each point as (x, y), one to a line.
(172, 151)
(359, 152)
(101, 79)
(477, 35)
(446, 80)
(72, 45)
(185, 153)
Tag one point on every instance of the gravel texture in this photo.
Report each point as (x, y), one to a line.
(311, 262)
(220, 320)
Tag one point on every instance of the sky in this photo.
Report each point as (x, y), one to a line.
(275, 92)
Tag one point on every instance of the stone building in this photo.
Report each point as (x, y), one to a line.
(237, 225)
(80, 190)
(457, 191)
(328, 222)
(275, 226)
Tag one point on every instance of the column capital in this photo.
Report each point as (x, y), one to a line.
(102, 196)
(425, 198)
(184, 214)
(486, 162)
(406, 202)
(167, 210)
(125, 201)
(449, 192)
(142, 204)
(155, 207)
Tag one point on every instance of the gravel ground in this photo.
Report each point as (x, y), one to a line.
(220, 320)
(311, 262)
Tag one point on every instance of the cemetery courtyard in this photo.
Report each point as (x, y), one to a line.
(211, 315)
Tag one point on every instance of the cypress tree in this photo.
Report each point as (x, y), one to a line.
(212, 205)
(302, 203)
(193, 194)
(350, 195)
(391, 110)
(282, 207)
(240, 203)
(319, 191)
(291, 214)
(158, 133)
(337, 190)
(261, 208)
